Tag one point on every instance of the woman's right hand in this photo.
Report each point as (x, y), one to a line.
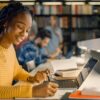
(45, 89)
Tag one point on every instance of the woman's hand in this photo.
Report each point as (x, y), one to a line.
(42, 76)
(39, 77)
(43, 68)
(45, 89)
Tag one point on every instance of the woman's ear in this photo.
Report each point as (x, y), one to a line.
(5, 25)
(5, 28)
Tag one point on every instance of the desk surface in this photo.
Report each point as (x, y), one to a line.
(61, 94)
(93, 44)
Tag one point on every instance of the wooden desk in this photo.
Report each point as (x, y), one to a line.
(61, 94)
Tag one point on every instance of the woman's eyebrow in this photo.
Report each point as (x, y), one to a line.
(21, 22)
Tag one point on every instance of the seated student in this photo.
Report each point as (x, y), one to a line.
(15, 22)
(55, 45)
(30, 51)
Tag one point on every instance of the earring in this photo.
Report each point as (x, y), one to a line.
(5, 30)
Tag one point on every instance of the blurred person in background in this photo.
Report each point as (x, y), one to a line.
(30, 55)
(54, 48)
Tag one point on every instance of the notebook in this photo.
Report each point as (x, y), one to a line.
(78, 96)
(63, 64)
(91, 91)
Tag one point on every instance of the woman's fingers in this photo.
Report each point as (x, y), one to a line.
(44, 90)
(50, 93)
(52, 88)
(41, 76)
(54, 85)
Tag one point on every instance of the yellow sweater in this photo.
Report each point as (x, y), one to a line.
(9, 70)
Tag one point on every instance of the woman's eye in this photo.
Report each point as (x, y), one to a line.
(20, 27)
(28, 31)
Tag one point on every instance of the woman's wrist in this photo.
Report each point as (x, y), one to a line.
(32, 79)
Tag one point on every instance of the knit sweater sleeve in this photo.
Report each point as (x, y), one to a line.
(16, 91)
(19, 72)
(8, 72)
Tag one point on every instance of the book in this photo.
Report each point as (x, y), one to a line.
(91, 91)
(64, 64)
(46, 10)
(64, 22)
(78, 95)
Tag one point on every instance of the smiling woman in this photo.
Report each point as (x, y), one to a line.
(15, 22)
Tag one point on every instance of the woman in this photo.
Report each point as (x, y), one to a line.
(15, 22)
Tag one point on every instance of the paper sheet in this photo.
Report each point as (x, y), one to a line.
(64, 64)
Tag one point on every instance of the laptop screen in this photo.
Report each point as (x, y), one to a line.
(91, 63)
(88, 67)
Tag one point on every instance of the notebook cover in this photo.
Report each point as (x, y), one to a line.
(78, 95)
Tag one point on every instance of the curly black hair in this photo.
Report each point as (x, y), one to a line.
(43, 33)
(10, 11)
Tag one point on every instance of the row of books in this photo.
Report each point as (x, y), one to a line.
(65, 9)
(79, 35)
(64, 22)
(85, 22)
(79, 0)
(51, 9)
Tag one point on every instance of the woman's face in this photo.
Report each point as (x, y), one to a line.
(18, 28)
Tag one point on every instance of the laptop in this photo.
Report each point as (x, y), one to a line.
(88, 67)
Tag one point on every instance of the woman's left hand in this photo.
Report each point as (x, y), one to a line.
(39, 77)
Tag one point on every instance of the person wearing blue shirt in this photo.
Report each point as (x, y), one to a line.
(55, 45)
(30, 50)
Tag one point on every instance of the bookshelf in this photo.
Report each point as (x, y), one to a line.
(80, 20)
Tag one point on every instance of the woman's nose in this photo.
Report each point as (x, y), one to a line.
(24, 35)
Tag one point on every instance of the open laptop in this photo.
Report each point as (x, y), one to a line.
(88, 67)
(91, 80)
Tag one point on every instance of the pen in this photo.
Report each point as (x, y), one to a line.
(48, 78)
(47, 72)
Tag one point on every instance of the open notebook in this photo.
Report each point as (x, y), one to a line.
(64, 64)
